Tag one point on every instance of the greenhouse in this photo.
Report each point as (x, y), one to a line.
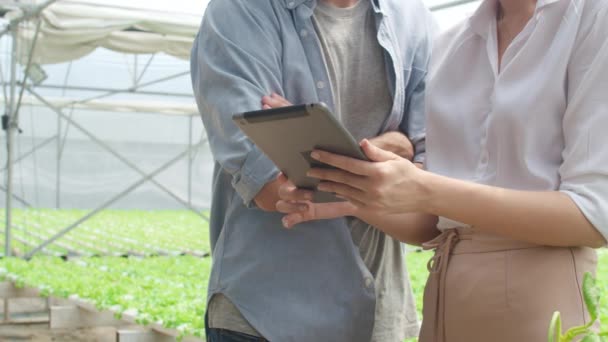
(107, 172)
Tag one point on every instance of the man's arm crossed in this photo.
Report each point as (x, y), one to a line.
(236, 59)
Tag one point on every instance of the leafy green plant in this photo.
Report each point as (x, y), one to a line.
(170, 291)
(591, 295)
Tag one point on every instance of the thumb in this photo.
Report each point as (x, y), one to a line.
(375, 153)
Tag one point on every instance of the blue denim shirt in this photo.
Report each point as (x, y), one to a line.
(306, 284)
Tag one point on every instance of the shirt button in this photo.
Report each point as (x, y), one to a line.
(320, 84)
(303, 33)
(369, 282)
(291, 4)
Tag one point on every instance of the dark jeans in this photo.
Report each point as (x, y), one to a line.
(223, 335)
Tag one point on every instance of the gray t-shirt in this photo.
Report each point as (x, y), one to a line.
(357, 70)
(356, 66)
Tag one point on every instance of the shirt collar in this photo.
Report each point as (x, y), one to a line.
(486, 13)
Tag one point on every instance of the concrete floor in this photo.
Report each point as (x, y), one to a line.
(34, 309)
(42, 333)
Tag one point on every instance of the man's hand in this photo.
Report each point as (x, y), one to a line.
(297, 206)
(268, 197)
(274, 101)
(395, 142)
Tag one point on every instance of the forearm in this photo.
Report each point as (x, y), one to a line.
(545, 218)
(414, 228)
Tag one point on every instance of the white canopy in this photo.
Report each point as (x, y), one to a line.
(72, 29)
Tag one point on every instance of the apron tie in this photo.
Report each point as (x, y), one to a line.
(434, 331)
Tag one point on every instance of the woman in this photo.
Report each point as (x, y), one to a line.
(515, 195)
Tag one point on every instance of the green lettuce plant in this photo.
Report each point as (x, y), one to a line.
(591, 295)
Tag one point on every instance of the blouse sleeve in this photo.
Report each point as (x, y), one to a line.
(584, 171)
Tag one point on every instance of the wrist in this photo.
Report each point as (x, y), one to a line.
(426, 185)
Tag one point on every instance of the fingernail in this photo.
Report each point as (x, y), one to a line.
(303, 207)
(285, 222)
(315, 155)
(323, 187)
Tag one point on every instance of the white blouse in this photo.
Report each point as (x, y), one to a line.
(538, 122)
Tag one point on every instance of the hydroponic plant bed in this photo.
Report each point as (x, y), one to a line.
(111, 232)
(170, 291)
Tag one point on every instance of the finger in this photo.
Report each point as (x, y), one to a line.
(351, 200)
(271, 102)
(280, 99)
(275, 101)
(289, 208)
(320, 211)
(355, 202)
(352, 165)
(377, 141)
(290, 192)
(343, 190)
(266, 107)
(290, 220)
(339, 176)
(375, 153)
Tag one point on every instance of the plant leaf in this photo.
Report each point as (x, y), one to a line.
(591, 337)
(555, 329)
(591, 294)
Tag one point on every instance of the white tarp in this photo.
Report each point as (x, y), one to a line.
(72, 29)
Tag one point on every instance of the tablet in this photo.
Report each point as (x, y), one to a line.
(288, 135)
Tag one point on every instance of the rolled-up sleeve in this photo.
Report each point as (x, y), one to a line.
(584, 171)
(415, 124)
(235, 61)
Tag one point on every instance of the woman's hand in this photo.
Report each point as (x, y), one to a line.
(387, 185)
(297, 204)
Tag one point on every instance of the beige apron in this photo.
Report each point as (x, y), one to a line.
(486, 288)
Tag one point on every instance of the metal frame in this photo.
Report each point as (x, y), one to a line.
(13, 104)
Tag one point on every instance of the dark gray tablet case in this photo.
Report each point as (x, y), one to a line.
(288, 135)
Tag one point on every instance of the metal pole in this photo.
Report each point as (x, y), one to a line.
(110, 150)
(132, 89)
(27, 14)
(58, 165)
(10, 134)
(107, 204)
(135, 70)
(108, 90)
(30, 152)
(17, 198)
(190, 162)
(27, 68)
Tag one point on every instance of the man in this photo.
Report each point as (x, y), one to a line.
(367, 61)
